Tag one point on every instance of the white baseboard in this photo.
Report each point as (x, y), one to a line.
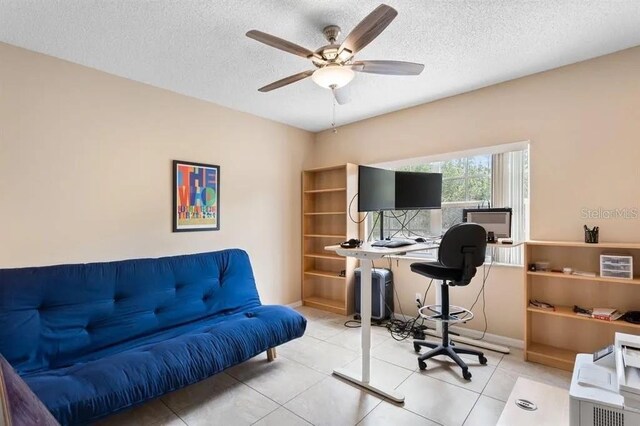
(492, 338)
(475, 334)
(295, 304)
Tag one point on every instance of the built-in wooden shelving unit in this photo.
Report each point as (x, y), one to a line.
(328, 279)
(555, 337)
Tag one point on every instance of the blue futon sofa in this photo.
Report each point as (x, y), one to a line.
(94, 339)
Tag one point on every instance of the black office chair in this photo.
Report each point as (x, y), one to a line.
(461, 251)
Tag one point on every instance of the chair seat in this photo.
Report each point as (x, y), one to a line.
(437, 271)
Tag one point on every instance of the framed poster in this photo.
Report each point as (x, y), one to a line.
(196, 197)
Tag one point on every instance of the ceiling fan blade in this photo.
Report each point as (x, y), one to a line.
(285, 81)
(388, 67)
(281, 44)
(369, 28)
(342, 94)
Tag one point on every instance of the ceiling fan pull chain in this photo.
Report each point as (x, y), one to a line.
(333, 118)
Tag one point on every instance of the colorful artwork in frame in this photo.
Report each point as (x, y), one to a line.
(196, 197)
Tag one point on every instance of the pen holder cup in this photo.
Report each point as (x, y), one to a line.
(591, 237)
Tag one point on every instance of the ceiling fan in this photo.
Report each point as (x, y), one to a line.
(335, 64)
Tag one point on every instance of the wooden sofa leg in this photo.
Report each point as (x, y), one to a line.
(271, 354)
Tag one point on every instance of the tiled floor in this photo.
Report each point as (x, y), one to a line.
(298, 388)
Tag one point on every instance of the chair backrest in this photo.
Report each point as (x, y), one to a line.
(464, 247)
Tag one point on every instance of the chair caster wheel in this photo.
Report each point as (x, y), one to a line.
(466, 374)
(483, 360)
(416, 347)
(422, 365)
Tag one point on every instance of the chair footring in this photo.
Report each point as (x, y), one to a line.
(452, 315)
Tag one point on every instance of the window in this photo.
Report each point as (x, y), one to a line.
(480, 180)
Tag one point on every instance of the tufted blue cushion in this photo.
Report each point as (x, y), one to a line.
(97, 338)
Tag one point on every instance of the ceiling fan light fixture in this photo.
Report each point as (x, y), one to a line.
(333, 76)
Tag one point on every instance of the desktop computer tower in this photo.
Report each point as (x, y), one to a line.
(381, 293)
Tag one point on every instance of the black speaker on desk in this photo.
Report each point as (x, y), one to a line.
(381, 293)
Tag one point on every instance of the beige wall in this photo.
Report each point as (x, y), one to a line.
(583, 122)
(85, 166)
(504, 294)
(85, 172)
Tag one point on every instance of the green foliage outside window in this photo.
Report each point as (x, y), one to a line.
(466, 182)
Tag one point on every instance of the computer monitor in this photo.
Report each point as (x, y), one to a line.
(416, 191)
(497, 220)
(376, 189)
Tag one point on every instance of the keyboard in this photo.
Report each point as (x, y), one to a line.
(393, 243)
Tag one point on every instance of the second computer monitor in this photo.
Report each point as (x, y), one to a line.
(417, 190)
(376, 189)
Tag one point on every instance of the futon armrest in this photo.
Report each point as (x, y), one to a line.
(18, 405)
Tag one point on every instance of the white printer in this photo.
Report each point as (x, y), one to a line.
(605, 387)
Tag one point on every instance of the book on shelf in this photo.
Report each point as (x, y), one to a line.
(606, 314)
(603, 311)
(541, 305)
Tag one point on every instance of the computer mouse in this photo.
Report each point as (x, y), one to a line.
(420, 240)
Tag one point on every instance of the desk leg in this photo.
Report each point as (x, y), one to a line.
(364, 378)
(365, 322)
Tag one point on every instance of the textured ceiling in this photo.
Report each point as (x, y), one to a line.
(198, 48)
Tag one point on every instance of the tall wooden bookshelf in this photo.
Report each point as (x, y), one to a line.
(555, 337)
(326, 193)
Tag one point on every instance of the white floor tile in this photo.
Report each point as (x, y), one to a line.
(280, 380)
(353, 325)
(313, 313)
(437, 400)
(515, 363)
(199, 391)
(449, 372)
(400, 353)
(501, 384)
(170, 421)
(151, 413)
(300, 379)
(486, 412)
(351, 339)
(297, 344)
(493, 358)
(323, 329)
(333, 402)
(319, 355)
(281, 417)
(235, 405)
(386, 414)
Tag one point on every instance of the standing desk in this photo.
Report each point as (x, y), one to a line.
(367, 254)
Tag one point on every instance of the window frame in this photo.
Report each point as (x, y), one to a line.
(408, 164)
